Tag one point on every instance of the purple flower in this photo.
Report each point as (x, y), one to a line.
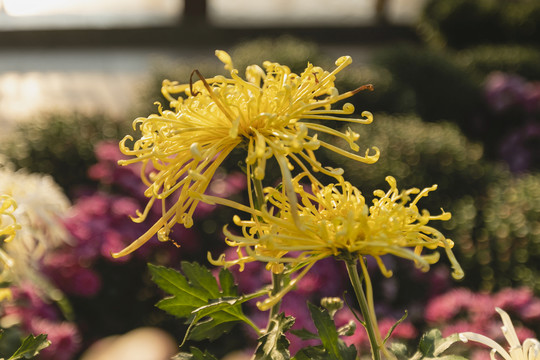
(503, 91)
(68, 273)
(519, 148)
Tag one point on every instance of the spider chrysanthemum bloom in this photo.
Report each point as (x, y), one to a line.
(268, 114)
(336, 221)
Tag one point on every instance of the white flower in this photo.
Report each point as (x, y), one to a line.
(529, 350)
(41, 204)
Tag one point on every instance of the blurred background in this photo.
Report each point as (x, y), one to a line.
(84, 54)
(456, 103)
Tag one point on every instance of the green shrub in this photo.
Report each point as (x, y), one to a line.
(418, 154)
(61, 145)
(464, 23)
(516, 59)
(434, 84)
(502, 245)
(387, 96)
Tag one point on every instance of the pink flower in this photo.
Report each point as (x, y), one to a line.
(405, 330)
(64, 338)
(513, 299)
(447, 306)
(462, 326)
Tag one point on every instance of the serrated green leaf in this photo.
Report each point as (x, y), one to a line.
(200, 277)
(210, 329)
(428, 342)
(347, 352)
(226, 280)
(326, 328)
(274, 344)
(197, 296)
(30, 347)
(311, 353)
(194, 354)
(305, 334)
(199, 355)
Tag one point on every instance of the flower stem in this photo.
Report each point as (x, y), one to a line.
(276, 278)
(276, 287)
(370, 322)
(259, 193)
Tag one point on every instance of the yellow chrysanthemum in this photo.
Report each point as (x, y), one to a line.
(266, 114)
(8, 230)
(335, 221)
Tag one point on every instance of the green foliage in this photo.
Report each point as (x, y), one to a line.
(30, 347)
(387, 97)
(516, 59)
(462, 23)
(210, 311)
(194, 354)
(332, 347)
(431, 82)
(431, 346)
(427, 344)
(61, 145)
(274, 344)
(419, 154)
(501, 245)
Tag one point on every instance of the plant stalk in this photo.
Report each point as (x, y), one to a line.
(370, 322)
(276, 278)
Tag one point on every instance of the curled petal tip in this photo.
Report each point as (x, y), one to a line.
(344, 60)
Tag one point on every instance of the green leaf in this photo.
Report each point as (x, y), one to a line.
(334, 346)
(226, 280)
(30, 347)
(274, 344)
(399, 350)
(305, 334)
(394, 327)
(311, 353)
(195, 354)
(326, 329)
(428, 343)
(197, 297)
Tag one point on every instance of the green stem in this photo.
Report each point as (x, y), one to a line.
(259, 194)
(369, 323)
(276, 278)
